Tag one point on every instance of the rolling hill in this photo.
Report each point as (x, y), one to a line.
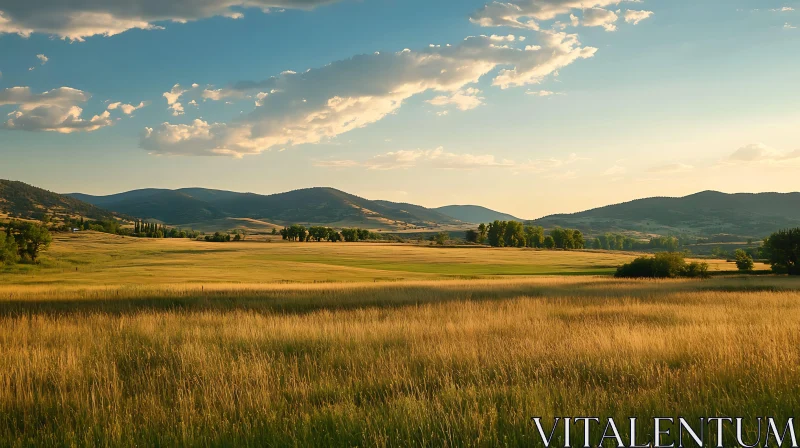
(705, 213)
(474, 214)
(325, 206)
(20, 200)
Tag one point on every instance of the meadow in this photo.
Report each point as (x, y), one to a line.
(88, 258)
(159, 343)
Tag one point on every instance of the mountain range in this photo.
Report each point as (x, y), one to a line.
(198, 207)
(702, 214)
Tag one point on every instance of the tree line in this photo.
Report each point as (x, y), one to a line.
(144, 229)
(516, 234)
(297, 232)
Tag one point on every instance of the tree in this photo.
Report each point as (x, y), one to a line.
(549, 242)
(8, 248)
(318, 233)
(495, 233)
(577, 240)
(514, 234)
(534, 236)
(482, 233)
(597, 244)
(472, 236)
(441, 238)
(744, 262)
(782, 248)
(350, 235)
(31, 239)
(567, 238)
(334, 236)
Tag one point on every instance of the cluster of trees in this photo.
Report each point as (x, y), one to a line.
(515, 234)
(141, 229)
(144, 229)
(297, 232)
(782, 250)
(23, 241)
(612, 241)
(663, 265)
(219, 237)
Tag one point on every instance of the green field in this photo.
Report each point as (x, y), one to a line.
(123, 342)
(90, 258)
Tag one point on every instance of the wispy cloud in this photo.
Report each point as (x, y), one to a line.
(759, 152)
(671, 168)
(126, 109)
(320, 104)
(440, 159)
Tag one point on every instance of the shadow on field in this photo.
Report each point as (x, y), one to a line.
(299, 300)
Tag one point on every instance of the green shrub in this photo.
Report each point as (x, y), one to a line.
(662, 265)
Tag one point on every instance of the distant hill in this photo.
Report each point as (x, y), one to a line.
(326, 206)
(704, 213)
(474, 214)
(18, 199)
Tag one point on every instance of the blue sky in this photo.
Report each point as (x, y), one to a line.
(603, 101)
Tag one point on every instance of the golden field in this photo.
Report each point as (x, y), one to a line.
(162, 343)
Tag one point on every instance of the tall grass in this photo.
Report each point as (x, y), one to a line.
(399, 364)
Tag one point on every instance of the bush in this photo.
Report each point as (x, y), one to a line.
(662, 265)
(744, 262)
(783, 251)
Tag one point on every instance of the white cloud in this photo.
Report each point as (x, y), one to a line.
(600, 17)
(542, 93)
(126, 109)
(634, 17)
(783, 9)
(79, 19)
(465, 99)
(615, 170)
(759, 152)
(337, 163)
(173, 96)
(323, 103)
(440, 159)
(56, 110)
(789, 26)
(42, 58)
(529, 13)
(177, 109)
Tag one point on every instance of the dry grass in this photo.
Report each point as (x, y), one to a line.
(124, 342)
(410, 363)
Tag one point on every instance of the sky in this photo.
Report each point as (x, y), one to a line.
(530, 107)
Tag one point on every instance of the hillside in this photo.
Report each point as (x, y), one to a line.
(18, 199)
(474, 214)
(326, 206)
(705, 213)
